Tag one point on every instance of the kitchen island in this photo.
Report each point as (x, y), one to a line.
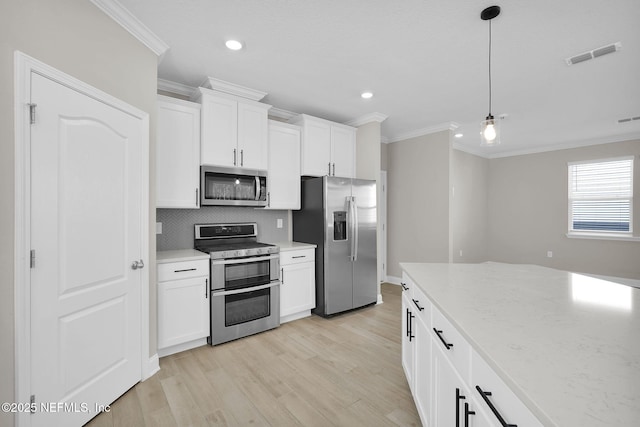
(566, 345)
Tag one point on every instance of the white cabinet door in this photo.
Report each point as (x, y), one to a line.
(343, 152)
(448, 405)
(252, 136)
(284, 166)
(219, 131)
(422, 370)
(297, 289)
(408, 334)
(316, 148)
(177, 153)
(183, 311)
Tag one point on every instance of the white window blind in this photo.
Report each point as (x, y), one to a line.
(601, 195)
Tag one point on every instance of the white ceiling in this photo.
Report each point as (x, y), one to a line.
(425, 61)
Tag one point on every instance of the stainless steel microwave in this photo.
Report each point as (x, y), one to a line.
(220, 186)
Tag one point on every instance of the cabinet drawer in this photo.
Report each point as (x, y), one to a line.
(458, 351)
(182, 270)
(421, 305)
(297, 256)
(505, 402)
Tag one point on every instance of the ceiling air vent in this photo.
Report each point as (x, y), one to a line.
(594, 53)
(628, 119)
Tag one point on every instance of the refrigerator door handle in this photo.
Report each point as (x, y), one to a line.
(355, 228)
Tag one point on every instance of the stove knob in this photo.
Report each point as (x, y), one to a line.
(238, 253)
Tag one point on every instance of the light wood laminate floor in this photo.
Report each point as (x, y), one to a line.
(341, 371)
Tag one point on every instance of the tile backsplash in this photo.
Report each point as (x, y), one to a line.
(177, 224)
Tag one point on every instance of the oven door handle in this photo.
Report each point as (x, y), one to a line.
(245, 290)
(243, 260)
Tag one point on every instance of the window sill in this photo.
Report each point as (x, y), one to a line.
(602, 236)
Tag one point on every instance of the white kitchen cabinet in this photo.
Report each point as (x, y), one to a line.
(298, 284)
(183, 305)
(234, 131)
(328, 148)
(283, 170)
(177, 153)
(444, 376)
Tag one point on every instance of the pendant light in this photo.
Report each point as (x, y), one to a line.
(490, 127)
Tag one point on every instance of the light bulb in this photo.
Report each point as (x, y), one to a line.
(490, 133)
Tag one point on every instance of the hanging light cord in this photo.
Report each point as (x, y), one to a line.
(490, 66)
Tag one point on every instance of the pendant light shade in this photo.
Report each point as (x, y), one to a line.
(490, 127)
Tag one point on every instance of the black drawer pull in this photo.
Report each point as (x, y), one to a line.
(467, 412)
(415, 301)
(438, 333)
(404, 286)
(459, 397)
(299, 256)
(484, 395)
(186, 269)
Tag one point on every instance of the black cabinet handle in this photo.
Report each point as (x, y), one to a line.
(438, 333)
(458, 398)
(410, 325)
(404, 286)
(484, 395)
(407, 321)
(415, 301)
(206, 288)
(186, 269)
(467, 412)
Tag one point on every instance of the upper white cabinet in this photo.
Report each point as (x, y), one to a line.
(328, 148)
(284, 166)
(234, 130)
(177, 153)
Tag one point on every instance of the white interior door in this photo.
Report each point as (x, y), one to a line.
(86, 228)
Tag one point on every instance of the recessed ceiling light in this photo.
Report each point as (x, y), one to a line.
(366, 95)
(233, 44)
(458, 135)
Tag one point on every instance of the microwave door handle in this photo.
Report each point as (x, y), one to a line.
(257, 188)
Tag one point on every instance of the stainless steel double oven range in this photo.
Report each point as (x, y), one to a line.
(244, 280)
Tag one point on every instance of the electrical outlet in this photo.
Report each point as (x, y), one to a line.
(279, 223)
(158, 228)
(549, 254)
(460, 252)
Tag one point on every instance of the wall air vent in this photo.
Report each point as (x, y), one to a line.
(595, 53)
(628, 119)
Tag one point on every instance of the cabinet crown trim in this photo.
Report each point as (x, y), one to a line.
(233, 89)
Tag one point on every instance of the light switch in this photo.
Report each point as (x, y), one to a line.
(279, 223)
(158, 228)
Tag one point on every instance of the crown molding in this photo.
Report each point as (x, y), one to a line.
(176, 88)
(367, 118)
(282, 114)
(233, 89)
(133, 25)
(425, 131)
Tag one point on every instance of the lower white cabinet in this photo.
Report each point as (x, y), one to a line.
(298, 284)
(450, 382)
(183, 305)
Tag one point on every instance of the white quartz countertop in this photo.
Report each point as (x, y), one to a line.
(568, 345)
(294, 246)
(180, 255)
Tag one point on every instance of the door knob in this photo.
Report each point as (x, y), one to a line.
(137, 264)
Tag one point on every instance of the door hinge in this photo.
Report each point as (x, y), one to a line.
(32, 259)
(32, 401)
(32, 113)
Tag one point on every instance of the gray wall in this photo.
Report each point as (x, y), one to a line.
(368, 151)
(470, 176)
(528, 214)
(418, 200)
(177, 224)
(77, 38)
(384, 156)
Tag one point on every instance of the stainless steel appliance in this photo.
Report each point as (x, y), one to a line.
(232, 187)
(339, 215)
(245, 280)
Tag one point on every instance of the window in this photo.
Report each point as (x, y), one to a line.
(601, 196)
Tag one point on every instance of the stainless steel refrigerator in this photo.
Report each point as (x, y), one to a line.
(339, 215)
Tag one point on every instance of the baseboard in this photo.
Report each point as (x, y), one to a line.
(162, 352)
(296, 316)
(379, 299)
(150, 367)
(394, 280)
